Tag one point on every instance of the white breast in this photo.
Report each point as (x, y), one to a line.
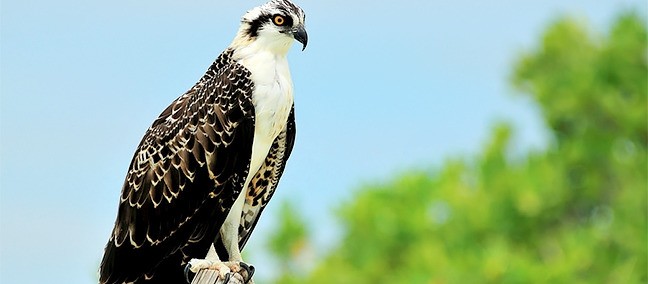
(272, 99)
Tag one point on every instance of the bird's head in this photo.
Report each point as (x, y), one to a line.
(273, 26)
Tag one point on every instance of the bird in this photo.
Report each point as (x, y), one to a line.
(208, 165)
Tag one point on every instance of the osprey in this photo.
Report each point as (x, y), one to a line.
(209, 164)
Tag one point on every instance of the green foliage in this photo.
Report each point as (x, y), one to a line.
(290, 236)
(288, 243)
(574, 213)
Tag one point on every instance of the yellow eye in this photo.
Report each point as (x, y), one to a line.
(279, 20)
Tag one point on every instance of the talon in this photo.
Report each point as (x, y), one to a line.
(227, 278)
(188, 272)
(249, 269)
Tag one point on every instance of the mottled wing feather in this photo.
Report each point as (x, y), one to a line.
(185, 175)
(265, 181)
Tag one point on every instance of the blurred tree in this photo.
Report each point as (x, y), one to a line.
(288, 244)
(574, 213)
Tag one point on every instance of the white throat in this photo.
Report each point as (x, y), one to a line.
(273, 89)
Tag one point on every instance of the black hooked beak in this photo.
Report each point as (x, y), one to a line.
(300, 35)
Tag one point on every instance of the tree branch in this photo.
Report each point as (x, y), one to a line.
(210, 276)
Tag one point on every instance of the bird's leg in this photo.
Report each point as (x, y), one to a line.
(229, 235)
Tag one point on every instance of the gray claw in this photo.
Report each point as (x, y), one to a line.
(249, 269)
(187, 272)
(227, 278)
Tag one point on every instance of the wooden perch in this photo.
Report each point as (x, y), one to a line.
(209, 276)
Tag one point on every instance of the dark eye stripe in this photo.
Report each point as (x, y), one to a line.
(257, 23)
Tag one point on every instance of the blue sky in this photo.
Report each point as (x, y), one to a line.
(383, 86)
